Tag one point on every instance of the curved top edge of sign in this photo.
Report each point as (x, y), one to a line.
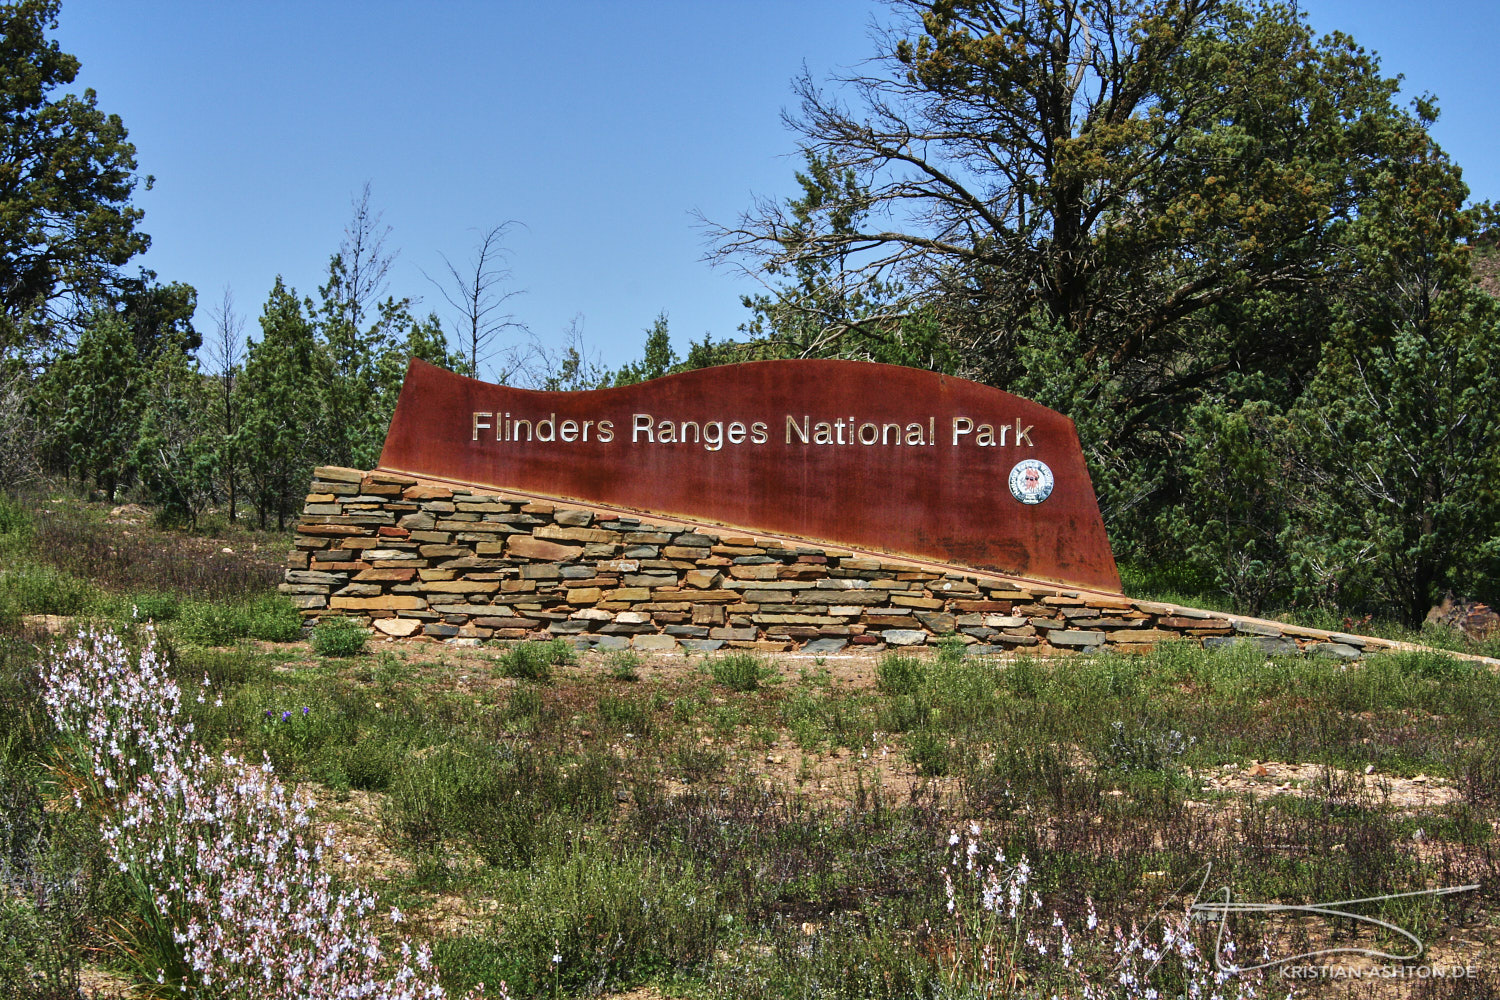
(831, 365)
(942, 468)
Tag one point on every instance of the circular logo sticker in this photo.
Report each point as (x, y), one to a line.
(1031, 481)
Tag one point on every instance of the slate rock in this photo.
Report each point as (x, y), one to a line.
(1078, 638)
(904, 637)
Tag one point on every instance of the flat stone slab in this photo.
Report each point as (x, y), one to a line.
(1076, 638)
(1337, 650)
(397, 627)
(1358, 641)
(822, 647)
(1257, 628)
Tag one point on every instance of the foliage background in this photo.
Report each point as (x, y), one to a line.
(1208, 235)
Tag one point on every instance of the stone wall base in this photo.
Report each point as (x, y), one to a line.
(458, 564)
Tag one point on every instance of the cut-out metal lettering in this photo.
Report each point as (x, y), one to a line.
(871, 456)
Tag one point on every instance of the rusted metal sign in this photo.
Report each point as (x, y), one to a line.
(870, 456)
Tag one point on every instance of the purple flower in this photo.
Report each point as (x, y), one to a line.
(304, 709)
(285, 716)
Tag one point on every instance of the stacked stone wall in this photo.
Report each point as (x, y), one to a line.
(463, 564)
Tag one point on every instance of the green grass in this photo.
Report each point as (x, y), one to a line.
(503, 804)
(533, 661)
(42, 590)
(587, 918)
(900, 674)
(740, 671)
(338, 637)
(624, 664)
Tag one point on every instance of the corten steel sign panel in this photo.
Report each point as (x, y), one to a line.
(870, 456)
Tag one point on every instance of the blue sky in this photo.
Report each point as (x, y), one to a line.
(601, 126)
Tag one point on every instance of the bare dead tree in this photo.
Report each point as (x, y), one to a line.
(366, 260)
(569, 366)
(225, 352)
(477, 292)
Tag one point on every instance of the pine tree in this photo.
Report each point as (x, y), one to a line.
(177, 450)
(90, 402)
(280, 407)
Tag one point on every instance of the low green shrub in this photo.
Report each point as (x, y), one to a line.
(805, 714)
(855, 956)
(588, 920)
(210, 623)
(48, 888)
(1479, 773)
(964, 691)
(898, 674)
(525, 706)
(41, 947)
(560, 651)
(156, 606)
(624, 715)
(906, 712)
(694, 762)
(77, 541)
(502, 802)
(533, 661)
(1026, 678)
(274, 618)
(930, 752)
(1020, 774)
(310, 735)
(15, 521)
(624, 665)
(373, 761)
(225, 668)
(739, 671)
(1143, 746)
(339, 637)
(951, 649)
(42, 590)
